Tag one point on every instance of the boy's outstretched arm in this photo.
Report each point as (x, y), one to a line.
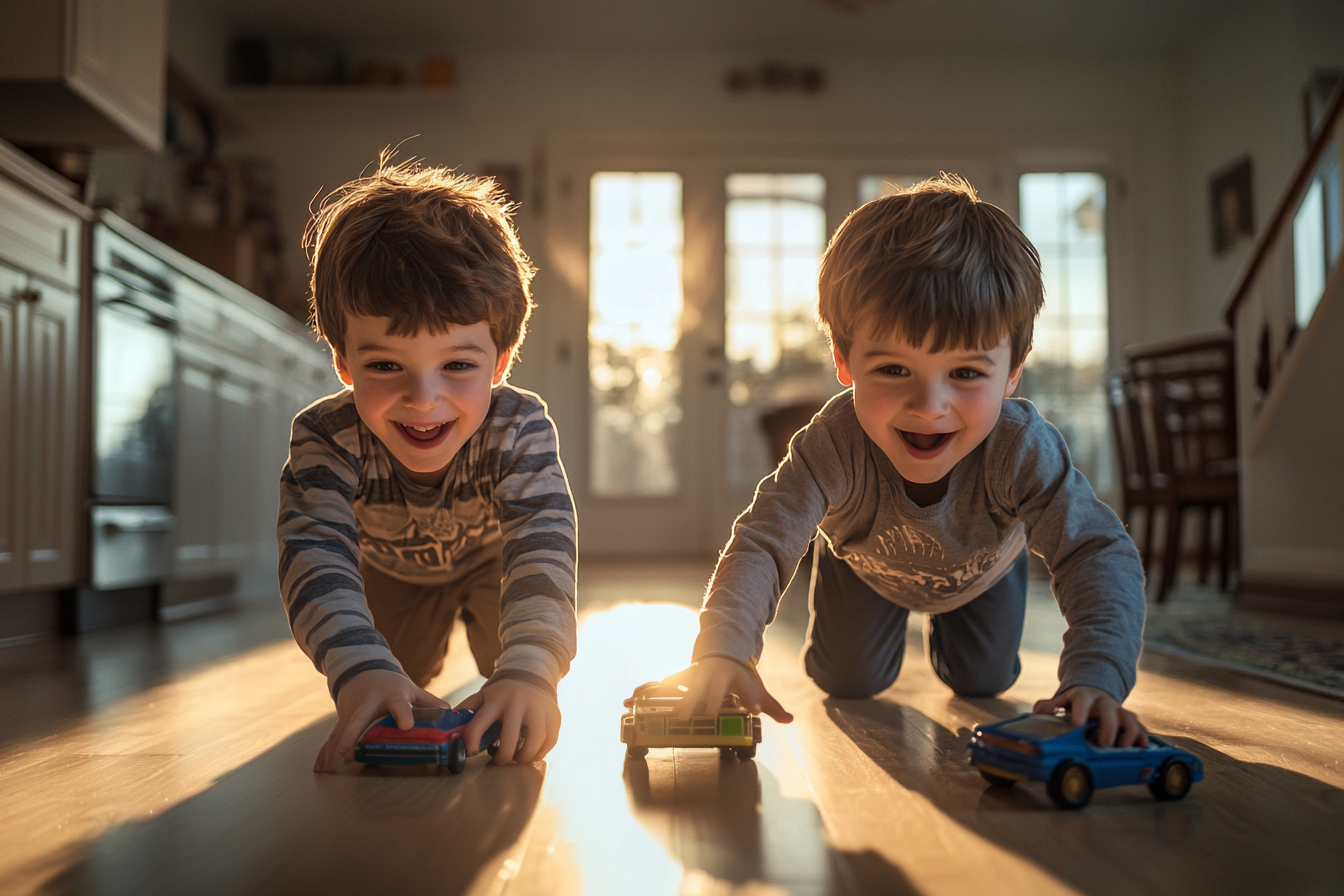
(1116, 726)
(362, 701)
(707, 681)
(530, 721)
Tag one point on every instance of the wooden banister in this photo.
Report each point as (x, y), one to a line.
(1241, 287)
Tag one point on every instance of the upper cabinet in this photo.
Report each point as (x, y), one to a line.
(86, 72)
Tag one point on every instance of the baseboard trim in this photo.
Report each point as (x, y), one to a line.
(1255, 593)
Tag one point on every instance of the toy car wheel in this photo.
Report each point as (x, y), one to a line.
(1070, 785)
(746, 752)
(998, 781)
(636, 752)
(457, 756)
(1172, 781)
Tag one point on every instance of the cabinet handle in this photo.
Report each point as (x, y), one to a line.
(28, 295)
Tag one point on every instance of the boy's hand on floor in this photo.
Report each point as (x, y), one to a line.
(1117, 725)
(362, 701)
(530, 721)
(708, 681)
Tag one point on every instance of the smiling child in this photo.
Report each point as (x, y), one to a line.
(429, 489)
(926, 484)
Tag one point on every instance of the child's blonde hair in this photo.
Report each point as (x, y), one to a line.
(427, 247)
(932, 262)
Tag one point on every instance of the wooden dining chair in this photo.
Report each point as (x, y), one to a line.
(1187, 409)
(1142, 489)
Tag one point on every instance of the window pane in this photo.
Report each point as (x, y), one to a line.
(634, 326)
(775, 232)
(1064, 216)
(875, 186)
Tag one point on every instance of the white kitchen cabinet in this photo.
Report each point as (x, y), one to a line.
(87, 72)
(39, 470)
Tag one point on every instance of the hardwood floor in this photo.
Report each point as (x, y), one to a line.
(177, 759)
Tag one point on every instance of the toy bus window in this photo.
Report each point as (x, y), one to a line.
(730, 726)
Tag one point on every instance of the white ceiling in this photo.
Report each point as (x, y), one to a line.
(756, 25)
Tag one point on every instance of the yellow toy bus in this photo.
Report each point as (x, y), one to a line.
(650, 721)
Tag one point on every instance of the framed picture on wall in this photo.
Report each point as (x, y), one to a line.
(1230, 205)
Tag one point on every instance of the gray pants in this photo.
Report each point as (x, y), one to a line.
(856, 637)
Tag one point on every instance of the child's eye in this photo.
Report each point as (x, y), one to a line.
(966, 373)
(459, 365)
(892, 370)
(381, 366)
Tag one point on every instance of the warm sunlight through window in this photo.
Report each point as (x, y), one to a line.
(775, 232)
(634, 326)
(1064, 216)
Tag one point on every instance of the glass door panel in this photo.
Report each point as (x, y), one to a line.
(1064, 216)
(775, 231)
(634, 328)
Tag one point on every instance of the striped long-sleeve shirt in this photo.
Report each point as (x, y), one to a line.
(341, 499)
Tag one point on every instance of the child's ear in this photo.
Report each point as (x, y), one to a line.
(1014, 377)
(841, 366)
(342, 369)
(501, 367)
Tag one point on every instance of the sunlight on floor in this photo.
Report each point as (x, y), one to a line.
(622, 648)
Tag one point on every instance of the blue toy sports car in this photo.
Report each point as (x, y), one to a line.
(1048, 748)
(435, 739)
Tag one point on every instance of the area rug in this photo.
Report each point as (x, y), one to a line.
(1312, 662)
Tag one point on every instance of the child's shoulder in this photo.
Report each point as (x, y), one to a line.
(1023, 432)
(330, 414)
(510, 401)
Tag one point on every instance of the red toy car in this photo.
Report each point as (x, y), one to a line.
(435, 739)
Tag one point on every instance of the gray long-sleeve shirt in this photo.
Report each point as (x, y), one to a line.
(341, 499)
(1017, 489)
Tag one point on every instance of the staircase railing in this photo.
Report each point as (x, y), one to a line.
(1294, 262)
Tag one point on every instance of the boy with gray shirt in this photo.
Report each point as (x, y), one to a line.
(925, 484)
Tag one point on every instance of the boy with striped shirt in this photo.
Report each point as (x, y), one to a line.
(428, 488)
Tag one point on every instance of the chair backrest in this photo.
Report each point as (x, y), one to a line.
(1131, 444)
(1185, 394)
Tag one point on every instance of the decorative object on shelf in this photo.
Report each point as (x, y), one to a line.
(379, 73)
(776, 77)
(438, 72)
(849, 7)
(1231, 210)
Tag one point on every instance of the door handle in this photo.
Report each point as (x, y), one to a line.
(28, 295)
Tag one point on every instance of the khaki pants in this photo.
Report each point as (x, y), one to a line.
(416, 620)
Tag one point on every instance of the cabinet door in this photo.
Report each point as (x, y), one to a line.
(196, 465)
(239, 438)
(11, 387)
(117, 62)
(51, 346)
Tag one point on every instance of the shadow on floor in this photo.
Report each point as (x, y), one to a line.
(271, 826)
(728, 819)
(1227, 836)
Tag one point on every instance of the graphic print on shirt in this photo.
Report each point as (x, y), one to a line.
(918, 564)
(425, 541)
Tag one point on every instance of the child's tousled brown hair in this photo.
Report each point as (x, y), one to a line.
(425, 246)
(933, 262)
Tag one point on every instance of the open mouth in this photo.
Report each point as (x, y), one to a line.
(925, 441)
(425, 435)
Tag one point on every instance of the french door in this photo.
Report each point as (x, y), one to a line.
(677, 317)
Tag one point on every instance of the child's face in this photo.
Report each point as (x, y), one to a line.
(926, 410)
(423, 396)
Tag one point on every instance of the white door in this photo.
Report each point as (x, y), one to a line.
(685, 277)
